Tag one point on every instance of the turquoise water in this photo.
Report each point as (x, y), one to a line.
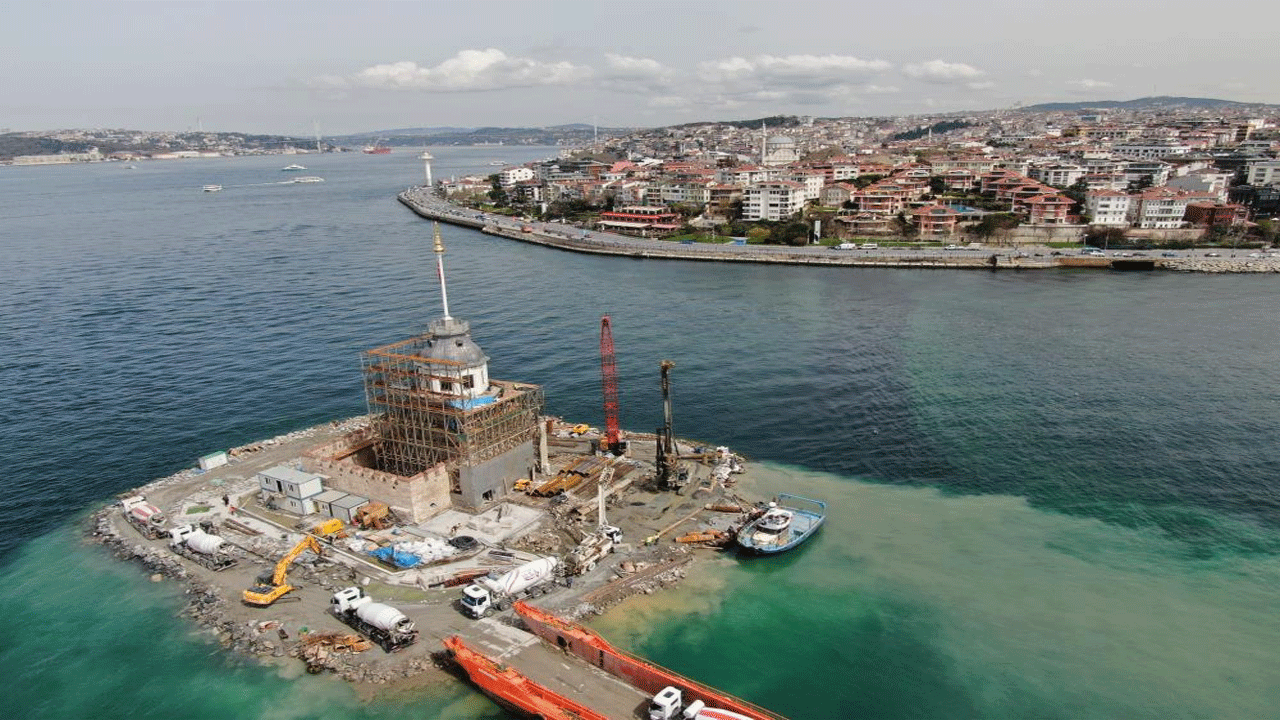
(1053, 495)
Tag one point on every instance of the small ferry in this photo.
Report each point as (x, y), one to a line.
(211, 188)
(787, 522)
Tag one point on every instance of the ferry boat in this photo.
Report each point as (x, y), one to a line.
(788, 521)
(211, 188)
(292, 168)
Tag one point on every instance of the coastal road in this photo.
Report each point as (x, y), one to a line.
(1028, 256)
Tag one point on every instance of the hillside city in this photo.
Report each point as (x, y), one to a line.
(1155, 175)
(1152, 178)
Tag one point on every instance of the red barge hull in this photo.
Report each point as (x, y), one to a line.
(635, 671)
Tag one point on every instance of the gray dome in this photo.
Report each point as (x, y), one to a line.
(781, 140)
(452, 341)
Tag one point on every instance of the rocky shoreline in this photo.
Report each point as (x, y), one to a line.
(274, 636)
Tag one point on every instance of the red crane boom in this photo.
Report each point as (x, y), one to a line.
(609, 378)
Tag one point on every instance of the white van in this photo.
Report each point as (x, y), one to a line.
(870, 246)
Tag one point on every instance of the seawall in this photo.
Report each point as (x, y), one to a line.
(568, 238)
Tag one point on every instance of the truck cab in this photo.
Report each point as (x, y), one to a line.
(476, 601)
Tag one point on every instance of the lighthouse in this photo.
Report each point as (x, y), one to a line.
(426, 159)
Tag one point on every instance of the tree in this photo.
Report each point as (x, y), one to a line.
(498, 194)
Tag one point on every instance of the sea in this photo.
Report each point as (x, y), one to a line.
(1052, 494)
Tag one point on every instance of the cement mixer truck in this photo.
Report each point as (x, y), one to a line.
(195, 544)
(498, 593)
(382, 624)
(144, 516)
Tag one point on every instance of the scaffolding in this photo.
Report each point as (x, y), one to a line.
(418, 428)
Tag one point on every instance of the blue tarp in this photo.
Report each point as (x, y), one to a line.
(399, 559)
(472, 403)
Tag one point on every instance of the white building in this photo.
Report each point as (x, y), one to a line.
(1061, 175)
(812, 180)
(780, 150)
(1108, 208)
(511, 176)
(773, 200)
(1266, 172)
(1150, 149)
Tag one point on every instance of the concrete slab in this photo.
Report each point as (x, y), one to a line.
(494, 526)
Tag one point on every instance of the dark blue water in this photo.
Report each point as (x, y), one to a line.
(1022, 460)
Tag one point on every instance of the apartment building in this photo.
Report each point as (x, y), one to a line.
(773, 200)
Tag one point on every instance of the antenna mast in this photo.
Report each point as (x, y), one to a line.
(444, 291)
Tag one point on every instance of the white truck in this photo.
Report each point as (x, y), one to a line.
(144, 516)
(669, 703)
(197, 545)
(487, 594)
(381, 623)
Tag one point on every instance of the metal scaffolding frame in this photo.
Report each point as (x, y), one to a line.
(418, 428)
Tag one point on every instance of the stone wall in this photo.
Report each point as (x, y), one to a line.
(415, 498)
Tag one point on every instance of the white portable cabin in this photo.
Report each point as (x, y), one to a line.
(286, 481)
(325, 500)
(299, 506)
(345, 508)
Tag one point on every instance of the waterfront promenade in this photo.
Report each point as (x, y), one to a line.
(1022, 257)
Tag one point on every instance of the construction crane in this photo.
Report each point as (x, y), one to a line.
(609, 378)
(670, 475)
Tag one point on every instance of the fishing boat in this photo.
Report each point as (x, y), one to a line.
(211, 188)
(787, 522)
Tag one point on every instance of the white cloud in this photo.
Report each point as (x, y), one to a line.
(789, 70)
(1088, 84)
(633, 68)
(489, 69)
(669, 101)
(941, 71)
(880, 89)
(981, 85)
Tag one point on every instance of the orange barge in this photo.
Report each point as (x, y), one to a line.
(633, 670)
(515, 691)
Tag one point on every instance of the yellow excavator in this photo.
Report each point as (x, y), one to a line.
(263, 594)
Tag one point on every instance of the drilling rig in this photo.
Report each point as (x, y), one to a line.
(671, 476)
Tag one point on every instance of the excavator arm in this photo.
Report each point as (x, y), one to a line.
(264, 595)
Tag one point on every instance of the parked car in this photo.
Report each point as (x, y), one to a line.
(951, 247)
(1168, 254)
(1213, 254)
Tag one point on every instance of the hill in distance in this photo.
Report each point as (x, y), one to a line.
(1162, 102)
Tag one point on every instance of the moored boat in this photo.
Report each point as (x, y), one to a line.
(787, 522)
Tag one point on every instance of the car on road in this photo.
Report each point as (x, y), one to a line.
(952, 247)
(1168, 254)
(1095, 253)
(1213, 254)
(845, 246)
(870, 246)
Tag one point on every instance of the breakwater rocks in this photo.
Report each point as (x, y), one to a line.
(1223, 265)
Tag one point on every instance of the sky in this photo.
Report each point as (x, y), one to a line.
(346, 67)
